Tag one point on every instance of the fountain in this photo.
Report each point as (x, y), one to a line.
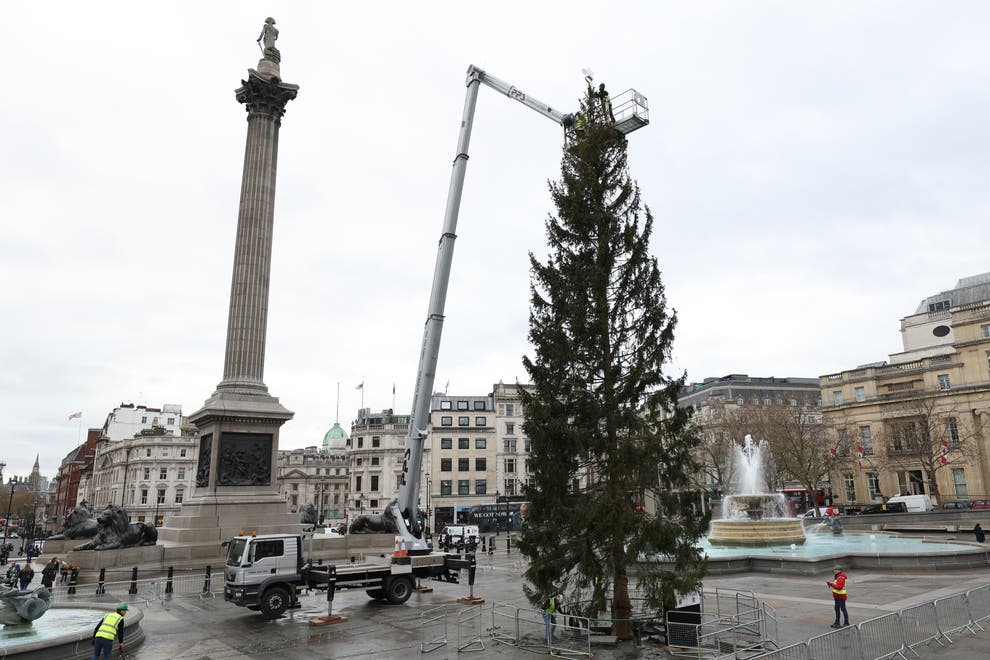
(751, 516)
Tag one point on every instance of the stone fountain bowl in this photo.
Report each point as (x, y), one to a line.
(65, 631)
(765, 532)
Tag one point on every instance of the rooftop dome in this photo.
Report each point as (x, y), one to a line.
(336, 438)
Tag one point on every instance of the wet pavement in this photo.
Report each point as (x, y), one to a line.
(192, 628)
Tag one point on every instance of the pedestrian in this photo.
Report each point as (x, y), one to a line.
(3, 556)
(109, 628)
(49, 572)
(549, 609)
(606, 102)
(838, 587)
(981, 537)
(64, 572)
(25, 576)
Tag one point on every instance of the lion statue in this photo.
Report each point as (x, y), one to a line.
(308, 514)
(79, 524)
(115, 530)
(374, 523)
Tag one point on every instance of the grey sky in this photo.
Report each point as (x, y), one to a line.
(814, 169)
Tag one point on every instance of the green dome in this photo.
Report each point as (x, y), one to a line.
(335, 438)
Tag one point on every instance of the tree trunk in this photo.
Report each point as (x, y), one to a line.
(621, 609)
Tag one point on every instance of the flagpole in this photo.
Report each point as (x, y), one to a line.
(362, 391)
(337, 418)
(393, 397)
(79, 432)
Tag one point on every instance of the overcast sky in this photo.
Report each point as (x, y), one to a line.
(814, 169)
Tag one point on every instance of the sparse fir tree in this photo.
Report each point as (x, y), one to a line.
(611, 451)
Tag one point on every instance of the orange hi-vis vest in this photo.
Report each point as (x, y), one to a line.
(839, 586)
(108, 627)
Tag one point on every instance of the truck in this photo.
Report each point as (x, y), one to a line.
(266, 572)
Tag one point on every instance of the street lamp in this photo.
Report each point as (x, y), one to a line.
(12, 484)
(498, 521)
(429, 501)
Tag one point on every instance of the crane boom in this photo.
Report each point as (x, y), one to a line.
(405, 507)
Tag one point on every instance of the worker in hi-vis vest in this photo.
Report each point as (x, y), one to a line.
(838, 587)
(109, 628)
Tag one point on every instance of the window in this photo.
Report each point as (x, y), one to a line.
(446, 421)
(985, 329)
(510, 409)
(373, 504)
(873, 483)
(479, 405)
(943, 381)
(959, 481)
(445, 487)
(376, 441)
(463, 405)
(262, 549)
(480, 486)
(861, 394)
(464, 443)
(359, 461)
(163, 473)
(182, 452)
(940, 306)
(866, 440)
(161, 496)
(144, 420)
(181, 474)
(481, 421)
(480, 464)
(144, 496)
(375, 460)
(317, 471)
(357, 483)
(463, 464)
(850, 485)
(154, 420)
(463, 487)
(295, 487)
(446, 443)
(480, 443)
(374, 483)
(446, 404)
(510, 487)
(837, 398)
(360, 442)
(147, 473)
(178, 496)
(147, 452)
(509, 446)
(464, 421)
(510, 465)
(510, 428)
(171, 420)
(952, 430)
(445, 465)
(527, 445)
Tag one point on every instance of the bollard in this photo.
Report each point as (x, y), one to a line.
(471, 571)
(484, 546)
(168, 580)
(133, 589)
(331, 588)
(73, 578)
(208, 580)
(101, 587)
(508, 543)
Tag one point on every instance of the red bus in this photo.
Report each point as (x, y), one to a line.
(799, 500)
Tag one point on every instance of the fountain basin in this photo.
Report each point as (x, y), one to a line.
(754, 533)
(65, 631)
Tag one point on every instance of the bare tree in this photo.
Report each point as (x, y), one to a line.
(924, 434)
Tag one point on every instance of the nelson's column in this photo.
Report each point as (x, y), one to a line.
(239, 424)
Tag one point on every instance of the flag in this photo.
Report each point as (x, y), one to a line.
(393, 389)
(75, 415)
(360, 387)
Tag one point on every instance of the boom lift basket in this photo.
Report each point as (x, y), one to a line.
(631, 111)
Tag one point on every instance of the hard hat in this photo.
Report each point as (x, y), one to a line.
(122, 606)
(836, 568)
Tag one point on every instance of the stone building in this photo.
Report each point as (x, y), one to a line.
(917, 421)
(376, 446)
(73, 467)
(317, 476)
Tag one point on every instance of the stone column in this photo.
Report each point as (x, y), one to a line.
(235, 487)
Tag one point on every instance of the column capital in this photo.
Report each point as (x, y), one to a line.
(266, 97)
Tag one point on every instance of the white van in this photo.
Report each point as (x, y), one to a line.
(914, 503)
(455, 533)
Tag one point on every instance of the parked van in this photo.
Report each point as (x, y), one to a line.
(455, 533)
(915, 503)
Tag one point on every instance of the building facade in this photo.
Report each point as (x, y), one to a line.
(316, 476)
(918, 421)
(375, 450)
(75, 464)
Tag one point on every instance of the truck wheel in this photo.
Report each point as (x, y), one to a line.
(274, 602)
(377, 594)
(398, 590)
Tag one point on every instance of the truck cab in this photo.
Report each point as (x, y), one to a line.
(263, 572)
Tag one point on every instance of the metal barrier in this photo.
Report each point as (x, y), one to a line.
(570, 637)
(435, 618)
(505, 624)
(771, 632)
(953, 616)
(841, 644)
(469, 629)
(882, 637)
(797, 651)
(979, 604)
(919, 624)
(532, 630)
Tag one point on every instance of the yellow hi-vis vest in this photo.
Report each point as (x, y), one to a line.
(108, 627)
